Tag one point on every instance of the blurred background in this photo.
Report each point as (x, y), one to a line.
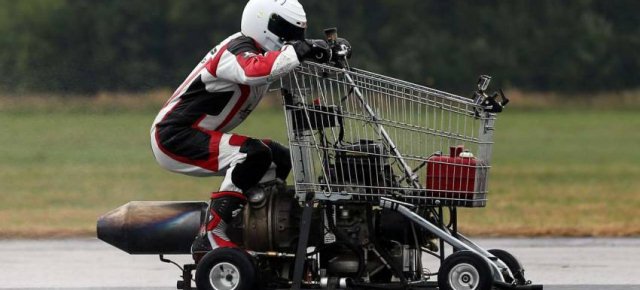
(106, 45)
(81, 81)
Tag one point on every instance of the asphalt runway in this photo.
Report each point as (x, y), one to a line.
(559, 264)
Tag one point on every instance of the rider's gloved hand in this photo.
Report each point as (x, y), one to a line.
(317, 50)
(342, 48)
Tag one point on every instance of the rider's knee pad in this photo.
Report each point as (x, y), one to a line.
(259, 157)
(258, 153)
(281, 157)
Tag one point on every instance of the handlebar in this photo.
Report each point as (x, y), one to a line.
(490, 103)
(341, 51)
(340, 48)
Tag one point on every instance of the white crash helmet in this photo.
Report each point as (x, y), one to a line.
(272, 22)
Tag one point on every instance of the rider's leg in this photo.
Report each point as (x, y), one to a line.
(222, 206)
(246, 172)
(206, 153)
(246, 166)
(281, 158)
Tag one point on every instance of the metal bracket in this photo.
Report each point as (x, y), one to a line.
(185, 283)
(303, 241)
(459, 242)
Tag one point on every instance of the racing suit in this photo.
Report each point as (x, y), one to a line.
(191, 135)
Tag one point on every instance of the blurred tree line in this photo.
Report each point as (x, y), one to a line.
(88, 46)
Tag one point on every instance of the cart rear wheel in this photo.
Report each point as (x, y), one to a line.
(513, 264)
(465, 270)
(226, 269)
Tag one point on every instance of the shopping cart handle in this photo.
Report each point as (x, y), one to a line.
(504, 98)
(491, 103)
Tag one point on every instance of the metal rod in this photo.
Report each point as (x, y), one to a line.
(391, 204)
(407, 169)
(301, 251)
(441, 224)
(454, 242)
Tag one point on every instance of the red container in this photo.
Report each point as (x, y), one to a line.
(454, 179)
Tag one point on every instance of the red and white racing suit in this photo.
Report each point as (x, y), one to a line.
(189, 135)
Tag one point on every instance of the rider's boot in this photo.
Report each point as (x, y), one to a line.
(222, 208)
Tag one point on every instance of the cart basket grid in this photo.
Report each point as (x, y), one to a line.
(358, 136)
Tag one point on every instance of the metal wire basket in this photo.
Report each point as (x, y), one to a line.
(356, 136)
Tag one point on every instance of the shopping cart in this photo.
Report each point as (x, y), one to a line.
(360, 136)
(380, 166)
(363, 140)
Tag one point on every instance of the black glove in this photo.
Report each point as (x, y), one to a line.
(341, 48)
(317, 50)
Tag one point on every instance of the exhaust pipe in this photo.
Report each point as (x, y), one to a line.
(152, 227)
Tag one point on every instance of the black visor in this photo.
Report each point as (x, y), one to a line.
(283, 29)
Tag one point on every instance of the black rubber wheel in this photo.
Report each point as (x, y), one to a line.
(513, 264)
(226, 269)
(465, 270)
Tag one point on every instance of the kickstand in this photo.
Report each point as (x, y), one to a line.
(185, 283)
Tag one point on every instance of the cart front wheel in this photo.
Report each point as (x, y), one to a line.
(513, 264)
(465, 270)
(225, 269)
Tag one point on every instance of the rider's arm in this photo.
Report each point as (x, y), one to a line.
(241, 62)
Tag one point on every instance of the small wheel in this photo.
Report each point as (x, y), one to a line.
(225, 269)
(513, 264)
(465, 270)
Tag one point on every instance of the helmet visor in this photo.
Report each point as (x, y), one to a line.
(284, 29)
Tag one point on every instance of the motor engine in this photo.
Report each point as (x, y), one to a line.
(346, 240)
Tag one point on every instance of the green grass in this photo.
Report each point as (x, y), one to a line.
(569, 172)
(60, 171)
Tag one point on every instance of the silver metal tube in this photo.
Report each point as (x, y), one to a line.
(362, 136)
(393, 205)
(408, 170)
(451, 240)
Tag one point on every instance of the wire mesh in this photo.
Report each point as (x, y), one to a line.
(358, 136)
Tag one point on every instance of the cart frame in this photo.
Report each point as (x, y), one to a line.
(314, 97)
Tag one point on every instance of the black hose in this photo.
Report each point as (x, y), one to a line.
(342, 236)
(382, 251)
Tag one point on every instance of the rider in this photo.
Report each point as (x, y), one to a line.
(191, 135)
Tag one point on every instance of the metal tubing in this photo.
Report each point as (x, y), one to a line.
(441, 219)
(494, 260)
(407, 169)
(477, 248)
(455, 243)
(367, 136)
(390, 204)
(303, 240)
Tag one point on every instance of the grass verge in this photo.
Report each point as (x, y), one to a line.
(558, 169)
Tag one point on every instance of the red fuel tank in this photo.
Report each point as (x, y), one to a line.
(456, 179)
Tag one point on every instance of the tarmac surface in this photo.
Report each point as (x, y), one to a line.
(557, 263)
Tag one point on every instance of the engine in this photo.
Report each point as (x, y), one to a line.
(367, 242)
(347, 240)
